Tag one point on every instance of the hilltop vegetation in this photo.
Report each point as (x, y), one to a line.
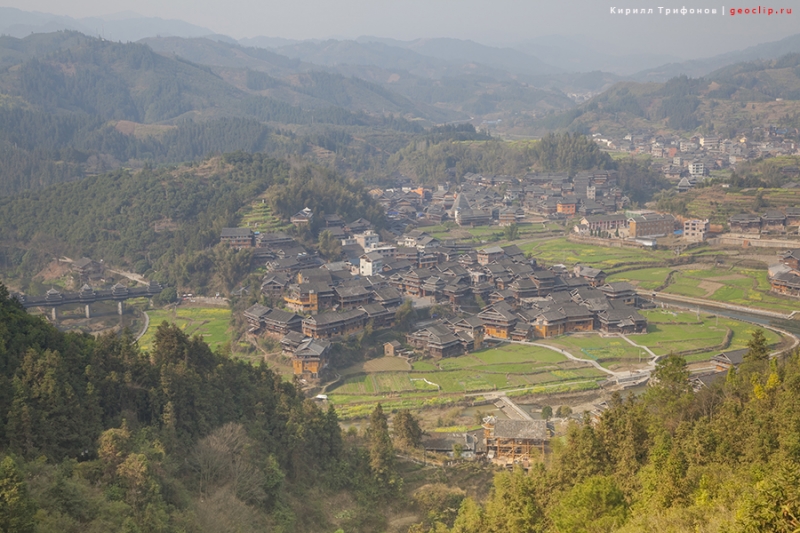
(719, 101)
(428, 161)
(98, 436)
(720, 459)
(165, 223)
(73, 106)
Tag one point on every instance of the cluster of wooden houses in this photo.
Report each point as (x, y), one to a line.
(784, 276)
(772, 221)
(518, 300)
(484, 199)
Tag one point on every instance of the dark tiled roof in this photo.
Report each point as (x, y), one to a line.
(521, 429)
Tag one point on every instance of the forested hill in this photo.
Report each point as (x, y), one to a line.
(685, 104)
(176, 440)
(427, 159)
(132, 82)
(722, 459)
(71, 106)
(165, 223)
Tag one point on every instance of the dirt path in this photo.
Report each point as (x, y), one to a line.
(568, 355)
(144, 329)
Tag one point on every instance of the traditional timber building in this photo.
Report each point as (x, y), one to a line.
(515, 442)
(334, 324)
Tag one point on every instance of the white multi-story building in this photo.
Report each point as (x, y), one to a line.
(695, 230)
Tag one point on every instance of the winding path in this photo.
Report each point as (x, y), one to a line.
(568, 355)
(731, 307)
(146, 325)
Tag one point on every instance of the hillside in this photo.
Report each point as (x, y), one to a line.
(702, 67)
(165, 223)
(72, 106)
(440, 88)
(732, 97)
(190, 440)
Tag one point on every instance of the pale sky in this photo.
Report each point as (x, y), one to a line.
(487, 21)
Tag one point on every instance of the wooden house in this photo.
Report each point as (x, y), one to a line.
(515, 442)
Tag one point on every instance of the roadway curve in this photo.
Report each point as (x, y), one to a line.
(731, 307)
(568, 355)
(146, 325)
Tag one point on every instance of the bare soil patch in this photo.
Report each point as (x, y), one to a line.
(710, 286)
(54, 270)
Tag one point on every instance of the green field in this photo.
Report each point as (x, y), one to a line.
(734, 285)
(645, 278)
(662, 337)
(570, 253)
(518, 367)
(504, 367)
(258, 217)
(211, 323)
(491, 233)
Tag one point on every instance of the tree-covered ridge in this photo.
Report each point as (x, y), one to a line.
(130, 81)
(166, 223)
(428, 159)
(724, 458)
(682, 103)
(64, 93)
(41, 149)
(96, 435)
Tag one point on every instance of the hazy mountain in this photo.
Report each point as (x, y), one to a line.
(439, 90)
(219, 53)
(333, 53)
(579, 54)
(464, 51)
(132, 82)
(700, 67)
(734, 98)
(267, 42)
(120, 27)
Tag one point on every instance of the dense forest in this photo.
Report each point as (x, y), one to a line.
(76, 106)
(165, 223)
(685, 104)
(722, 459)
(428, 159)
(97, 435)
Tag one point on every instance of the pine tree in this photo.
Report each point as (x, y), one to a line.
(17, 509)
(757, 348)
(406, 429)
(381, 451)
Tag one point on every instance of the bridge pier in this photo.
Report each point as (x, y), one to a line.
(120, 307)
(54, 313)
(88, 311)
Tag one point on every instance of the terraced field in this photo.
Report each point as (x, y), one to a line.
(504, 367)
(734, 285)
(570, 253)
(258, 216)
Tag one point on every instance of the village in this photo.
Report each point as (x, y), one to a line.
(495, 293)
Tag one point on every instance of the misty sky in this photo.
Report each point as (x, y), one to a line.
(488, 21)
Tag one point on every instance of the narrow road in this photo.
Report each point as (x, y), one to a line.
(146, 325)
(645, 348)
(568, 355)
(714, 303)
(740, 308)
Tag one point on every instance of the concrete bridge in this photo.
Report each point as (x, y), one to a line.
(87, 296)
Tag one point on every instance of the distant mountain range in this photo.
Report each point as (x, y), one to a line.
(428, 58)
(702, 67)
(122, 27)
